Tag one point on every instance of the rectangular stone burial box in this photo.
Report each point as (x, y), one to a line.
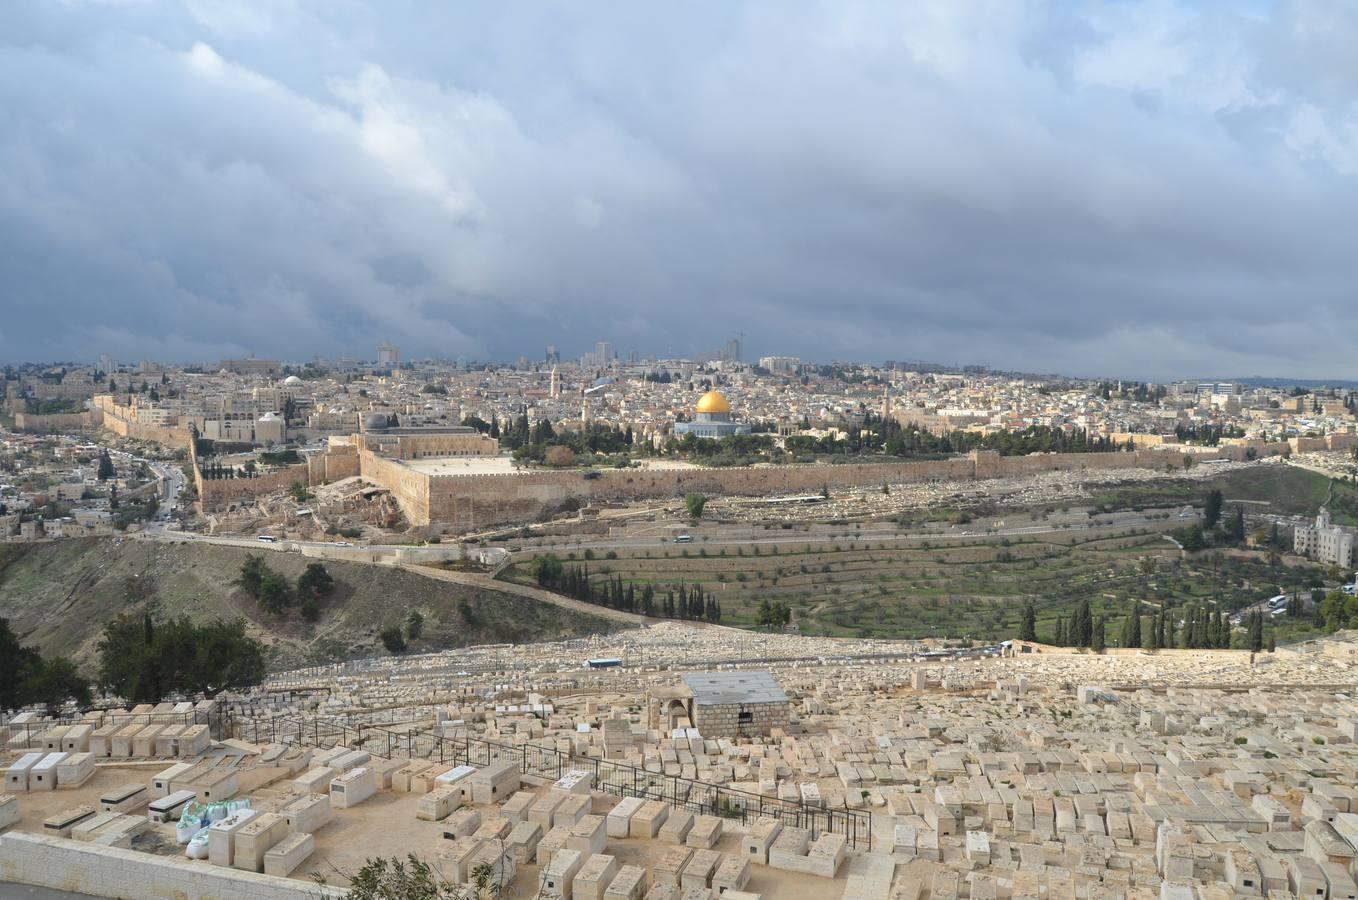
(17, 775)
(161, 781)
(353, 787)
(76, 769)
(221, 837)
(125, 797)
(43, 775)
(594, 877)
(256, 838)
(494, 782)
(308, 813)
(169, 807)
(285, 856)
(628, 884)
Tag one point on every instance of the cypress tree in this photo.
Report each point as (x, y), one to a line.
(1135, 637)
(1098, 638)
(1028, 625)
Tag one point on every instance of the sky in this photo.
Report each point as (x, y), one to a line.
(1144, 190)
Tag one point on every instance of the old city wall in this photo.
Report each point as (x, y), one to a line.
(112, 417)
(217, 492)
(52, 423)
(334, 464)
(411, 489)
(476, 501)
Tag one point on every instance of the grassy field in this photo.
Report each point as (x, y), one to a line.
(1277, 489)
(59, 594)
(958, 587)
(976, 586)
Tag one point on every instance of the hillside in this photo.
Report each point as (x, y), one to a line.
(59, 594)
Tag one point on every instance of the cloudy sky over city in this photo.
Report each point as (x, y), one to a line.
(1144, 190)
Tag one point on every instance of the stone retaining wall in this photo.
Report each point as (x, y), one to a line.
(68, 865)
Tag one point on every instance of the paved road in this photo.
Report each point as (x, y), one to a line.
(25, 892)
(508, 587)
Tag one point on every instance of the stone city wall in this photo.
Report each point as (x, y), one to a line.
(214, 493)
(336, 463)
(83, 868)
(115, 418)
(476, 501)
(56, 422)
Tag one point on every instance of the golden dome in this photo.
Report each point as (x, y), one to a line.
(713, 402)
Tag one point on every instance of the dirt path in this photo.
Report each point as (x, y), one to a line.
(488, 583)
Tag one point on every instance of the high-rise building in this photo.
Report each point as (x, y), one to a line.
(388, 355)
(553, 356)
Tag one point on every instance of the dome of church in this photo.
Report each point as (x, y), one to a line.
(713, 402)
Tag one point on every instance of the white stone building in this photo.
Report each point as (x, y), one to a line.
(1324, 542)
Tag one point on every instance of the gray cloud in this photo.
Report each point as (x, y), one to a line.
(1145, 190)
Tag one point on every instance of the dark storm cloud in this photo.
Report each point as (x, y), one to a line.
(1150, 190)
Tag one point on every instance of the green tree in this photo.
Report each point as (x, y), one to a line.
(1083, 625)
(275, 594)
(142, 660)
(392, 639)
(1028, 625)
(1256, 633)
(695, 503)
(1098, 641)
(298, 492)
(26, 678)
(1211, 509)
(106, 470)
(315, 583)
(52, 682)
(546, 569)
(1135, 636)
(251, 578)
(414, 625)
(1190, 537)
(1235, 525)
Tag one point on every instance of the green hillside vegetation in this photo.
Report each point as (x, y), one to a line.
(947, 587)
(58, 596)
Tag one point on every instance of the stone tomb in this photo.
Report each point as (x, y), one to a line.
(439, 803)
(76, 769)
(170, 807)
(16, 776)
(307, 814)
(620, 816)
(256, 838)
(221, 837)
(558, 876)
(125, 797)
(628, 884)
(353, 787)
(594, 877)
(284, 857)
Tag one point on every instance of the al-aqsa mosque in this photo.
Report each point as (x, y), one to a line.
(712, 419)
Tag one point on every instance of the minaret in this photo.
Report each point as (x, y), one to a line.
(584, 409)
(556, 384)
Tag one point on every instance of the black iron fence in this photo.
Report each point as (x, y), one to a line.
(620, 779)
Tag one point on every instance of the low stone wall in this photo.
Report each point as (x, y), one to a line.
(68, 865)
(722, 720)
